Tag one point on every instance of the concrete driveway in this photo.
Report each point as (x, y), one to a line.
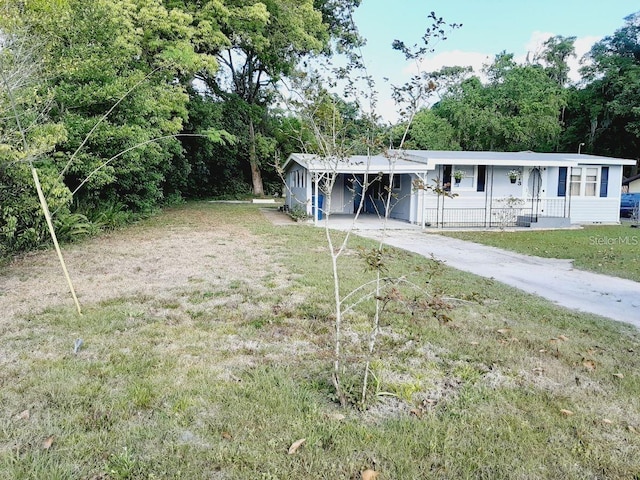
(553, 279)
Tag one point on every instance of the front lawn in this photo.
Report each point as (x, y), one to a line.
(207, 353)
(612, 250)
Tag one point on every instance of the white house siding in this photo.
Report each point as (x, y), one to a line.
(595, 209)
(298, 191)
(599, 209)
(338, 198)
(402, 201)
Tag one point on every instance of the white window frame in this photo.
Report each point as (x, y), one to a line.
(582, 182)
(473, 177)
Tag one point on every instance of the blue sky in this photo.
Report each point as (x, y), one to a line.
(489, 27)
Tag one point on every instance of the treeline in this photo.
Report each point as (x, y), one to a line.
(127, 105)
(534, 106)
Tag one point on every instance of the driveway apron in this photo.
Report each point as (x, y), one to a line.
(553, 279)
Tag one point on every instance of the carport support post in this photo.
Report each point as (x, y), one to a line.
(423, 180)
(315, 199)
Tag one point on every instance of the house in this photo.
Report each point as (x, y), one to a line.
(482, 189)
(631, 184)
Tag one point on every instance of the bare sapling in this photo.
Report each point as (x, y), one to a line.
(332, 148)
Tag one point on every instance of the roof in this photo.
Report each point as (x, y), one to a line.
(421, 161)
(627, 181)
(525, 159)
(356, 164)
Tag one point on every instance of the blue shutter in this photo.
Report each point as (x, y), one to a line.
(482, 174)
(562, 182)
(604, 181)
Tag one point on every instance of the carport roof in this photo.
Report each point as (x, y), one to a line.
(356, 164)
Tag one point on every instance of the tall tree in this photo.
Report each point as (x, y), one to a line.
(555, 55)
(124, 59)
(264, 42)
(612, 95)
(518, 109)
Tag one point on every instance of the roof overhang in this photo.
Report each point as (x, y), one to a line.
(356, 164)
(423, 161)
(434, 158)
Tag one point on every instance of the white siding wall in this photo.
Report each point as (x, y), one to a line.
(341, 198)
(634, 187)
(401, 209)
(595, 209)
(298, 189)
(599, 209)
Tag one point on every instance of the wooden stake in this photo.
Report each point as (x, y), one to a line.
(52, 232)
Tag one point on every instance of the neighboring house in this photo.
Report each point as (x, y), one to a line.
(631, 184)
(546, 189)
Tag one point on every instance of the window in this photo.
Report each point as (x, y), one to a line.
(397, 184)
(584, 181)
(298, 179)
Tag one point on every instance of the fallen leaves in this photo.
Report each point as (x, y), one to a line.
(296, 445)
(24, 415)
(335, 416)
(618, 375)
(46, 444)
(369, 474)
(566, 412)
(589, 365)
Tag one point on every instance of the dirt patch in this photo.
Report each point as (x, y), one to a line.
(188, 249)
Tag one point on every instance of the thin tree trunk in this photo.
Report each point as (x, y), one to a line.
(256, 175)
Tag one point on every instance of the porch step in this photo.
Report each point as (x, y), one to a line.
(524, 220)
(542, 222)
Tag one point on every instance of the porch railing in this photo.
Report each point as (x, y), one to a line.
(496, 215)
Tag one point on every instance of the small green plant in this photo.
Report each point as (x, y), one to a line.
(513, 175)
(298, 213)
(458, 175)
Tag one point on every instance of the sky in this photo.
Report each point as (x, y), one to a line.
(488, 28)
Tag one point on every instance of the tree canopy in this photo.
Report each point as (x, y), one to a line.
(128, 105)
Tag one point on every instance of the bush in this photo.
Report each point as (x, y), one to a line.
(22, 224)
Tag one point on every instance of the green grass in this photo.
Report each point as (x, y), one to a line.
(611, 249)
(220, 391)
